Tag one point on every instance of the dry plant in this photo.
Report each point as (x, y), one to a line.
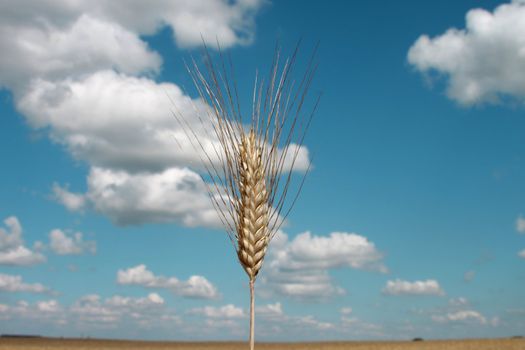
(250, 167)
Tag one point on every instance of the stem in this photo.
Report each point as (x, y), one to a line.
(252, 314)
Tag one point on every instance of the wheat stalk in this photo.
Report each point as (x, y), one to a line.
(251, 169)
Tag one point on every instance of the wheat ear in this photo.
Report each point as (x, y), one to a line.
(253, 232)
(250, 170)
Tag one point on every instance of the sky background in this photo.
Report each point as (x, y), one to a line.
(410, 224)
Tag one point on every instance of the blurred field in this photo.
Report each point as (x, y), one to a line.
(74, 344)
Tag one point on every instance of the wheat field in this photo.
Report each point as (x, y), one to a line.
(81, 344)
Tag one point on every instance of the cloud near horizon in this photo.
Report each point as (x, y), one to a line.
(92, 311)
(195, 287)
(400, 287)
(14, 284)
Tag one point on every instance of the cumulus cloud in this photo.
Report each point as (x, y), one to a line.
(522, 254)
(45, 311)
(51, 306)
(128, 302)
(269, 311)
(461, 316)
(172, 195)
(12, 248)
(72, 201)
(92, 311)
(400, 287)
(92, 308)
(484, 61)
(56, 39)
(226, 311)
(14, 283)
(194, 287)
(308, 284)
(13, 237)
(83, 73)
(113, 120)
(312, 323)
(84, 46)
(70, 244)
(339, 249)
(460, 313)
(359, 327)
(122, 127)
(299, 268)
(274, 322)
(229, 22)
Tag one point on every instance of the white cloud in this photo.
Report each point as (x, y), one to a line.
(12, 249)
(91, 312)
(88, 44)
(274, 322)
(114, 121)
(13, 237)
(172, 195)
(194, 287)
(72, 201)
(484, 61)
(522, 254)
(461, 316)
(58, 39)
(83, 73)
(520, 224)
(73, 68)
(339, 249)
(126, 302)
(138, 275)
(123, 128)
(117, 310)
(21, 256)
(229, 22)
(269, 311)
(45, 311)
(308, 284)
(223, 312)
(299, 268)
(313, 323)
(359, 327)
(50, 306)
(14, 283)
(400, 287)
(64, 244)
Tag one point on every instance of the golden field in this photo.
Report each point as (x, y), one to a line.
(80, 344)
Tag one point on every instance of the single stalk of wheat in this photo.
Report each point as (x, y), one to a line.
(251, 168)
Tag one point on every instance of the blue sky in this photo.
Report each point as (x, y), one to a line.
(410, 222)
